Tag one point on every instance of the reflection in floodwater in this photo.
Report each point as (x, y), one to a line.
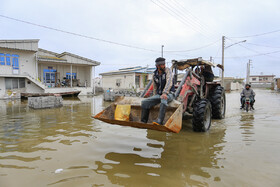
(178, 157)
(25, 130)
(247, 127)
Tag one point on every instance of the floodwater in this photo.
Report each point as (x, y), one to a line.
(66, 147)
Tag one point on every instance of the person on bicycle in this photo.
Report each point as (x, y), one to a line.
(247, 92)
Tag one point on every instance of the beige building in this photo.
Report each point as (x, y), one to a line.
(259, 79)
(25, 68)
(127, 78)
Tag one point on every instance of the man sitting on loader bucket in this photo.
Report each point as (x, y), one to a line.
(163, 92)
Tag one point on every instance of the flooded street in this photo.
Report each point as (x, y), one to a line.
(66, 147)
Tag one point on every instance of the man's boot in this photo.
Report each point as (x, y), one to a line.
(145, 115)
(161, 115)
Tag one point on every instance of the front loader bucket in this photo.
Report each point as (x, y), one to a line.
(172, 120)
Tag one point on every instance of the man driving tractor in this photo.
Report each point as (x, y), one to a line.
(247, 92)
(163, 92)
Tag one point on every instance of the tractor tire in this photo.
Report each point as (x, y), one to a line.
(218, 102)
(201, 120)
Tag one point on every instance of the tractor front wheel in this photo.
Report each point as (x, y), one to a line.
(201, 120)
(218, 102)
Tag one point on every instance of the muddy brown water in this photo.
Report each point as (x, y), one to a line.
(66, 147)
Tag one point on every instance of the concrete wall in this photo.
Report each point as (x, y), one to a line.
(2, 87)
(262, 85)
(236, 86)
(230, 85)
(32, 87)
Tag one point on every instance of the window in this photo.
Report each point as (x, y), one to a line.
(137, 81)
(68, 75)
(118, 82)
(14, 83)
(2, 59)
(8, 83)
(145, 80)
(49, 75)
(8, 59)
(254, 79)
(15, 62)
(21, 83)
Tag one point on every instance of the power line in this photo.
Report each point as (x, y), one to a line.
(195, 19)
(262, 45)
(261, 54)
(194, 49)
(256, 35)
(80, 35)
(182, 15)
(257, 52)
(175, 15)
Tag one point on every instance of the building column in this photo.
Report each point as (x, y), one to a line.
(93, 79)
(36, 66)
(71, 75)
(134, 84)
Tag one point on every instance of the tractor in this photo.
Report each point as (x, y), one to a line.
(195, 97)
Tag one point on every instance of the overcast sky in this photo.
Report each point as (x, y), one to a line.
(179, 25)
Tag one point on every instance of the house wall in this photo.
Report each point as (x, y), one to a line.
(26, 62)
(127, 81)
(2, 87)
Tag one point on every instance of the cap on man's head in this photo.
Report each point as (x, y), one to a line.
(160, 61)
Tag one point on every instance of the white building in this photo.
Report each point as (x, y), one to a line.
(127, 78)
(260, 79)
(25, 68)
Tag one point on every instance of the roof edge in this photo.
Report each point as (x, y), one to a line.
(77, 56)
(19, 41)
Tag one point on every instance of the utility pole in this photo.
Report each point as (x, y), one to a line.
(248, 72)
(162, 50)
(223, 59)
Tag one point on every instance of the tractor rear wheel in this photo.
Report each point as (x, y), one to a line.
(218, 102)
(201, 120)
